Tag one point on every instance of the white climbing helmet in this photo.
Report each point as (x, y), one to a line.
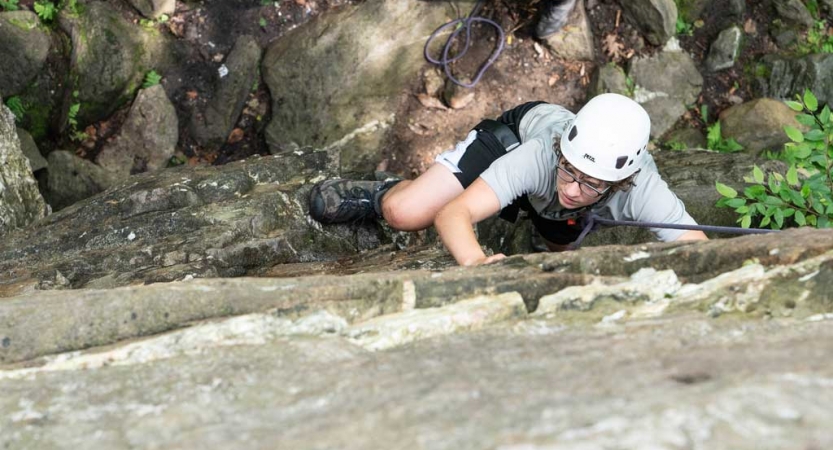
(608, 139)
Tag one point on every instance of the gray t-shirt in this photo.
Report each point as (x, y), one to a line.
(530, 169)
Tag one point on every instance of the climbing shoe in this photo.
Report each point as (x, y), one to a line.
(554, 14)
(340, 201)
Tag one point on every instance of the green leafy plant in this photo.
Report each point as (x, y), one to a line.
(262, 22)
(677, 146)
(715, 140)
(9, 5)
(151, 79)
(803, 196)
(15, 104)
(72, 120)
(684, 28)
(46, 10)
(71, 6)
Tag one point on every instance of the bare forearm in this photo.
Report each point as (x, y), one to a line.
(454, 226)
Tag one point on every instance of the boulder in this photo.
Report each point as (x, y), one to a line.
(147, 139)
(336, 81)
(665, 84)
(575, 40)
(690, 138)
(30, 150)
(71, 179)
(211, 127)
(20, 201)
(153, 9)
(724, 50)
(110, 58)
(656, 19)
(24, 50)
(758, 124)
(608, 78)
(793, 13)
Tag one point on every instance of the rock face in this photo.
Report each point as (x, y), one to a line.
(724, 50)
(154, 8)
(334, 82)
(24, 50)
(679, 324)
(20, 201)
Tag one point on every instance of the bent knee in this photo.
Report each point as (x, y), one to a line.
(401, 216)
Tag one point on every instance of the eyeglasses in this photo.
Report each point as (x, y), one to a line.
(568, 177)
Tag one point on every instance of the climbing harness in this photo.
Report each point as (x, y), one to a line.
(464, 23)
(591, 221)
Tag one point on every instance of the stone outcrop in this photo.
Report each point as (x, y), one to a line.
(71, 179)
(153, 9)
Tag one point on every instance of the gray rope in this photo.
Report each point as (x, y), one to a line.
(591, 221)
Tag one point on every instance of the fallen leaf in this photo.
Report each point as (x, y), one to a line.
(91, 132)
(553, 79)
(192, 95)
(235, 136)
(612, 47)
(749, 27)
(430, 102)
(538, 49)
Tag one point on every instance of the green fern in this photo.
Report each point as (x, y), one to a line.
(15, 104)
(151, 79)
(46, 10)
(9, 5)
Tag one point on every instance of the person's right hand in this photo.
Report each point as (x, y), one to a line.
(486, 260)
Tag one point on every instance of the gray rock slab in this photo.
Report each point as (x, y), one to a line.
(147, 139)
(212, 127)
(336, 81)
(720, 384)
(20, 201)
(24, 50)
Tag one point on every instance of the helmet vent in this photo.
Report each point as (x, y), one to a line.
(620, 161)
(638, 152)
(573, 133)
(630, 163)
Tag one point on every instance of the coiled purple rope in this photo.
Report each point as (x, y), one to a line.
(466, 25)
(593, 219)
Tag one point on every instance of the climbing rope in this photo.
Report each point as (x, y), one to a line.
(592, 220)
(464, 23)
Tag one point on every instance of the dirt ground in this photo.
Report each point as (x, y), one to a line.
(524, 71)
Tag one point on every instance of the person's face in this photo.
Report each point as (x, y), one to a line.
(575, 189)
